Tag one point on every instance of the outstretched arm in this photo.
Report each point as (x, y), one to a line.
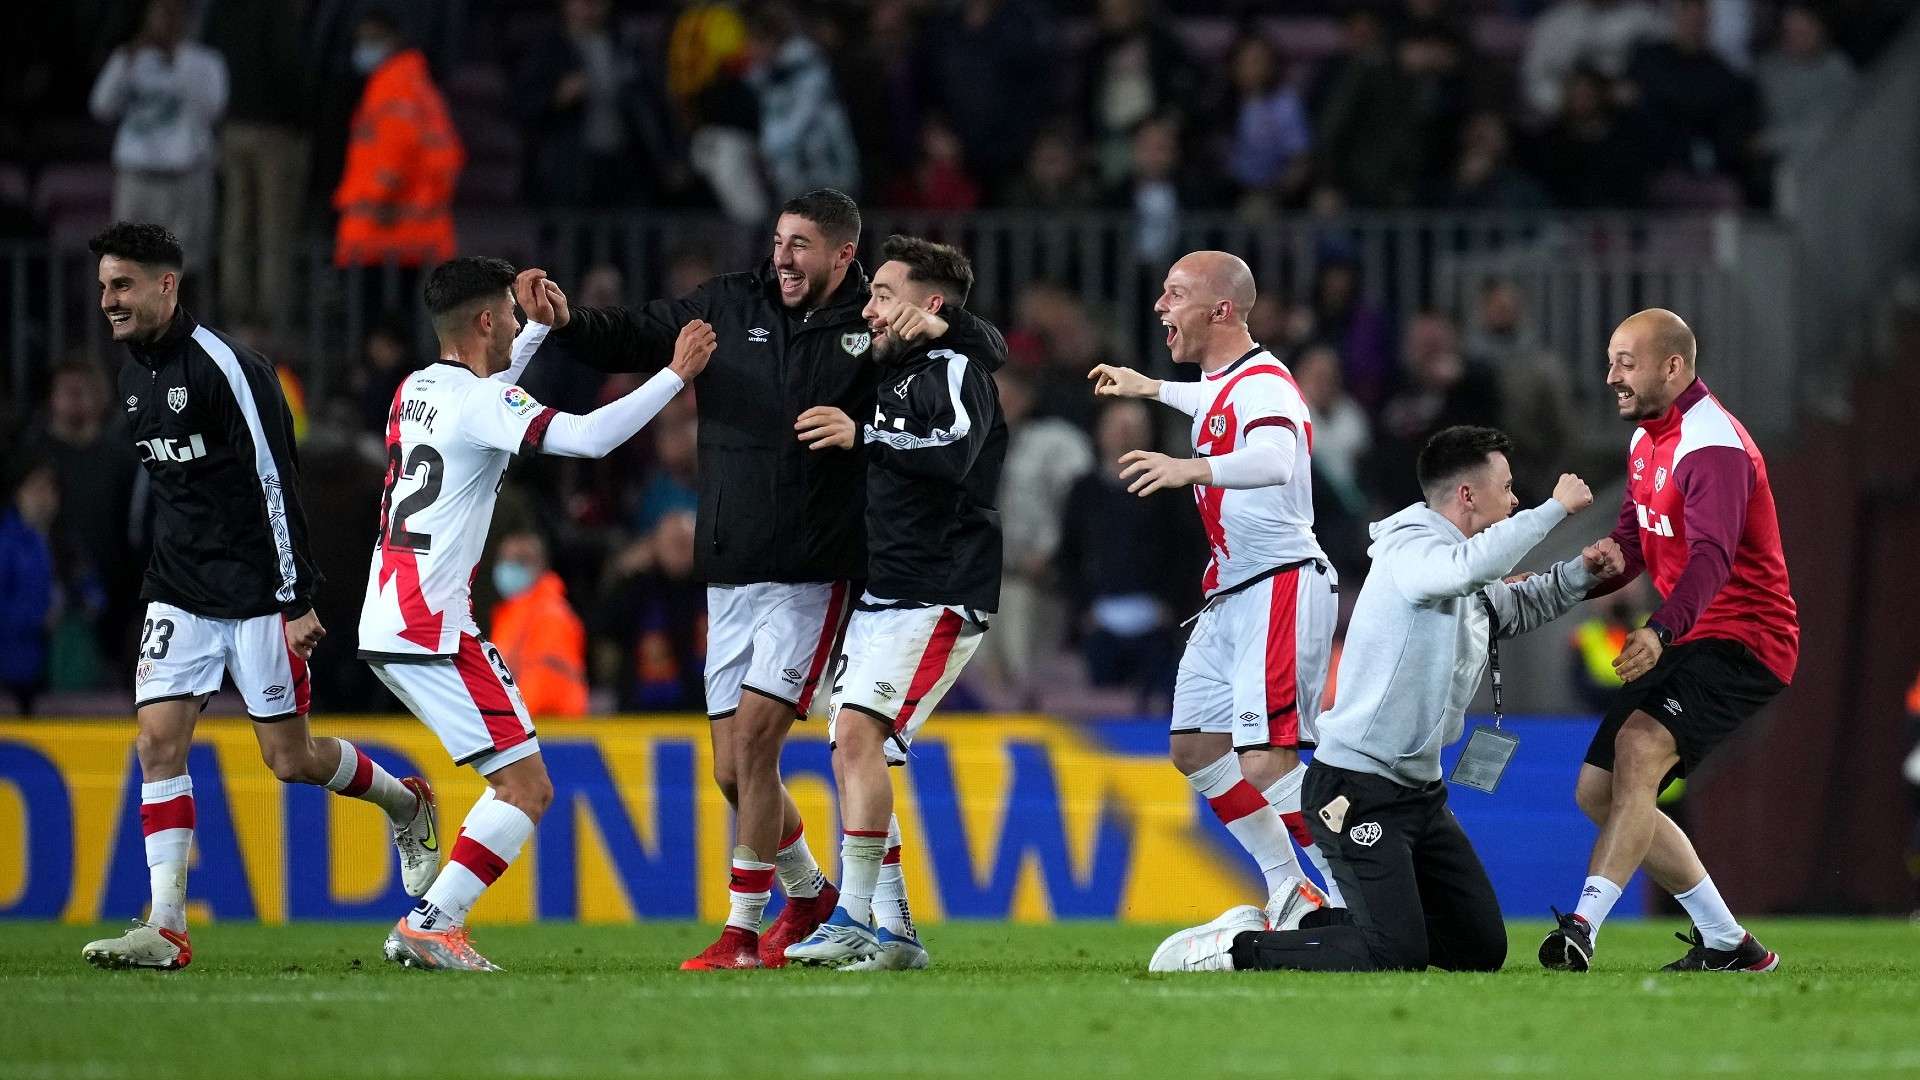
(596, 434)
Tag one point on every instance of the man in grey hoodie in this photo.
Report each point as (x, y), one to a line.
(1416, 650)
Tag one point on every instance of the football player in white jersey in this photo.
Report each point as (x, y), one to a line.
(1256, 664)
(452, 429)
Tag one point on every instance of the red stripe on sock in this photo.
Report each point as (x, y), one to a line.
(1237, 802)
(798, 831)
(893, 856)
(478, 858)
(751, 881)
(362, 775)
(175, 813)
(882, 833)
(1297, 825)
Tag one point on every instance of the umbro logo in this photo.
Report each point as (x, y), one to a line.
(1249, 717)
(885, 688)
(1366, 834)
(1673, 706)
(133, 402)
(758, 335)
(276, 691)
(1591, 890)
(791, 674)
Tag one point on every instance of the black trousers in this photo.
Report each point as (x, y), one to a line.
(1416, 893)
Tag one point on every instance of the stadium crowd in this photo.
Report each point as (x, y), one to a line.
(245, 125)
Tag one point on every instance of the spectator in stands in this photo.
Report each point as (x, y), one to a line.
(264, 150)
(805, 138)
(982, 69)
(1267, 150)
(1045, 455)
(81, 438)
(938, 179)
(1435, 56)
(1575, 35)
(1341, 437)
(1484, 175)
(651, 631)
(166, 94)
(1055, 177)
(707, 62)
(1129, 566)
(1805, 85)
(1439, 387)
(1702, 113)
(1367, 122)
(404, 158)
(1535, 393)
(671, 486)
(1136, 70)
(1592, 157)
(536, 630)
(1057, 337)
(1360, 332)
(595, 124)
(1500, 331)
(878, 77)
(386, 359)
(29, 595)
(1158, 191)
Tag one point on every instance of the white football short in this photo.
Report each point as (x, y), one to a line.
(899, 663)
(469, 700)
(775, 638)
(1256, 663)
(183, 655)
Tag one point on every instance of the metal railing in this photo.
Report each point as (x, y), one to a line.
(1578, 276)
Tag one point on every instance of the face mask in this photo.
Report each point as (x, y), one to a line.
(512, 578)
(367, 56)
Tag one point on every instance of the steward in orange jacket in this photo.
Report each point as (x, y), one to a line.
(396, 194)
(536, 630)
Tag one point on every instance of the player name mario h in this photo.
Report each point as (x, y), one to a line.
(416, 411)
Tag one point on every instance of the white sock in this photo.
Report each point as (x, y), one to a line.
(1285, 797)
(800, 876)
(750, 889)
(490, 839)
(860, 856)
(1596, 900)
(360, 777)
(1249, 817)
(166, 824)
(890, 908)
(1711, 915)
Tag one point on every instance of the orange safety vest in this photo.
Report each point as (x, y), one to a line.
(545, 646)
(396, 193)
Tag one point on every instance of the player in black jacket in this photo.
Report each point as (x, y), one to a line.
(934, 449)
(230, 587)
(779, 536)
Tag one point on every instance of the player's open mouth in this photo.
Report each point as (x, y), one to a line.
(792, 281)
(1172, 332)
(1623, 396)
(119, 318)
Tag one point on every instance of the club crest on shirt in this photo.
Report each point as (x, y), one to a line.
(1659, 478)
(1366, 834)
(1217, 426)
(519, 400)
(857, 342)
(177, 398)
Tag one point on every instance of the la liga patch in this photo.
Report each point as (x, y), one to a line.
(518, 400)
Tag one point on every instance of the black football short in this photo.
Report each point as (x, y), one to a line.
(1700, 691)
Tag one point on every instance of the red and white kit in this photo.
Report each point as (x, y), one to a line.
(901, 660)
(183, 655)
(450, 436)
(1257, 660)
(776, 638)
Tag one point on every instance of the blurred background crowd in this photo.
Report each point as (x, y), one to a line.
(313, 154)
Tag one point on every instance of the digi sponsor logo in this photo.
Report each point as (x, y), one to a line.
(163, 449)
(1366, 834)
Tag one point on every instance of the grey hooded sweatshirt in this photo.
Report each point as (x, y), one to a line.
(1417, 644)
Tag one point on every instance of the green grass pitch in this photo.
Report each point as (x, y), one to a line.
(1055, 1002)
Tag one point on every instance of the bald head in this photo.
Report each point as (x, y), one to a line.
(1221, 275)
(1663, 331)
(1650, 363)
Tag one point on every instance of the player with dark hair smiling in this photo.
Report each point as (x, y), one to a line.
(230, 585)
(1420, 641)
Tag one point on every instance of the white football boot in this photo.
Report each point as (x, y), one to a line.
(143, 946)
(1208, 947)
(1292, 901)
(418, 841)
(894, 953)
(837, 941)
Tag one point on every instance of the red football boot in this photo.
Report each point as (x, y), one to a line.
(797, 920)
(736, 949)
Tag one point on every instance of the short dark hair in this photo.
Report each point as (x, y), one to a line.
(941, 265)
(139, 241)
(830, 208)
(1456, 450)
(458, 282)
